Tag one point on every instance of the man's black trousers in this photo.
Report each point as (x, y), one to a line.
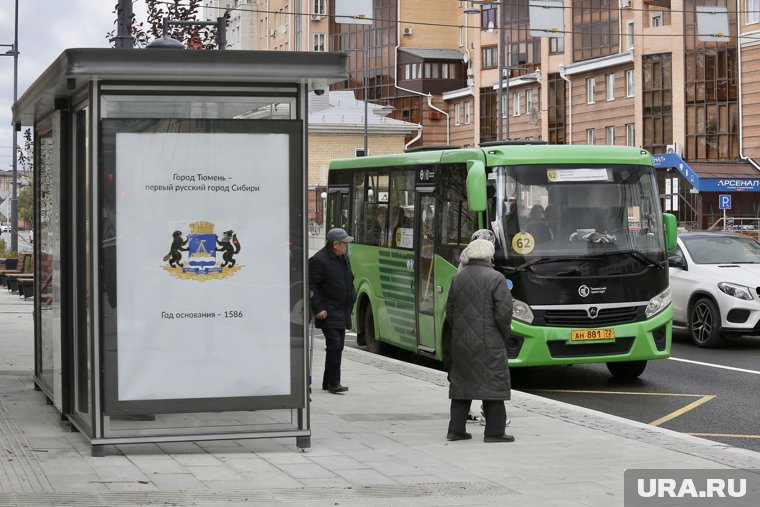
(334, 339)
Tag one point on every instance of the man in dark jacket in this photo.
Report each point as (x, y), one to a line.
(479, 310)
(331, 283)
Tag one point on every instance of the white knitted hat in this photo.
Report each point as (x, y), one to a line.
(478, 249)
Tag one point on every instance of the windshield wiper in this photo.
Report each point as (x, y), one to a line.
(638, 256)
(542, 260)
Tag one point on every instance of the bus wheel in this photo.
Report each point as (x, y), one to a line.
(704, 324)
(627, 369)
(373, 345)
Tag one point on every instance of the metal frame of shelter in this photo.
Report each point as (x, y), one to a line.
(114, 131)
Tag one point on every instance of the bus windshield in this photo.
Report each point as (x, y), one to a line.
(574, 211)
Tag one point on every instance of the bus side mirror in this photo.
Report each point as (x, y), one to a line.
(671, 229)
(476, 185)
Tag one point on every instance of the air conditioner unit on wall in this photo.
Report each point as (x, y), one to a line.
(408, 31)
(625, 3)
(316, 17)
(674, 148)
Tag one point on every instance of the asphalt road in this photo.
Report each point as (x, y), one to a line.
(718, 400)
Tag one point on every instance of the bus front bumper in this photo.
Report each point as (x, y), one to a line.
(541, 346)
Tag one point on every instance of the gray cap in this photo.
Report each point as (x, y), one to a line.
(339, 234)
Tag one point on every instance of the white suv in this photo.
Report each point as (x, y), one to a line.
(5, 227)
(715, 286)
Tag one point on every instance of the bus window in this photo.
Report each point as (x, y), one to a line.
(401, 204)
(358, 215)
(456, 220)
(376, 210)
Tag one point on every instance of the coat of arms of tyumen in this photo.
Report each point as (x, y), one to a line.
(202, 246)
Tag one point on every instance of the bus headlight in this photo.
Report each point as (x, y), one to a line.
(658, 303)
(521, 311)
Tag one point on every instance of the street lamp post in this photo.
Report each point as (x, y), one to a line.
(14, 192)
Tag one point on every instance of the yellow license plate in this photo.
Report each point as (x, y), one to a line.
(579, 335)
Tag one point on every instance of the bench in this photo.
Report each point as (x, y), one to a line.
(17, 268)
(27, 288)
(14, 279)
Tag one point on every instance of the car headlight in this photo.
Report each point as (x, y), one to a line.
(658, 303)
(521, 311)
(736, 290)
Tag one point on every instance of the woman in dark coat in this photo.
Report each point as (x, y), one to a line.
(479, 311)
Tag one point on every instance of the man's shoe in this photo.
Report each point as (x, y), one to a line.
(500, 438)
(337, 389)
(458, 436)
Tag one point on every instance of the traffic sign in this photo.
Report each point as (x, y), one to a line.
(724, 201)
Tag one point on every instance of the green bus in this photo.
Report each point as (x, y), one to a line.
(581, 241)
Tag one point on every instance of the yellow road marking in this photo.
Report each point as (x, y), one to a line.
(703, 398)
(727, 435)
(682, 410)
(611, 392)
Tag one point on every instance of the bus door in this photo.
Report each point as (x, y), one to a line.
(425, 288)
(337, 208)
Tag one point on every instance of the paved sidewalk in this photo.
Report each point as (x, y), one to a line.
(382, 443)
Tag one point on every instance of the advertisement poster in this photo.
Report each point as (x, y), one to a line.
(202, 260)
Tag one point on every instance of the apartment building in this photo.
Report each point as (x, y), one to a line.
(621, 72)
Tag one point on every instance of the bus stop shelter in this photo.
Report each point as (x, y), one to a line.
(170, 239)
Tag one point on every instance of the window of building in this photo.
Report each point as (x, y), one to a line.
(461, 36)
(609, 134)
(556, 108)
(590, 90)
(556, 45)
(428, 71)
(407, 71)
(712, 107)
(629, 34)
(595, 29)
(504, 105)
(609, 83)
(657, 98)
(655, 19)
(489, 57)
(468, 112)
(590, 136)
(629, 83)
(528, 101)
(516, 104)
(319, 42)
(751, 12)
(319, 7)
(488, 19)
(630, 134)
(458, 113)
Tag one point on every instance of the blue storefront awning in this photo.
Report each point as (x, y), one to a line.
(712, 176)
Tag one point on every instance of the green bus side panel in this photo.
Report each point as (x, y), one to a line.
(386, 277)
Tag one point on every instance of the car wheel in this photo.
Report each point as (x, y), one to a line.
(373, 345)
(627, 369)
(704, 324)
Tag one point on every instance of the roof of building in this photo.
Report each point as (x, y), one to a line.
(339, 111)
(77, 66)
(434, 54)
(725, 169)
